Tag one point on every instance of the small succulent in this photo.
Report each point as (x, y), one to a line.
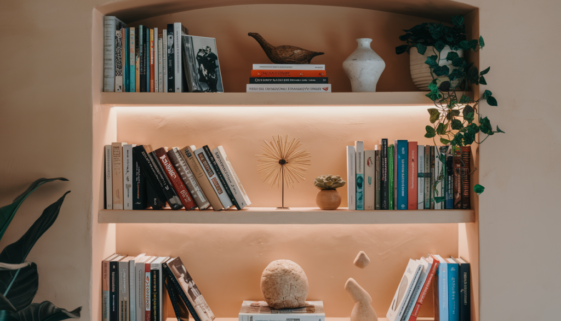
(329, 182)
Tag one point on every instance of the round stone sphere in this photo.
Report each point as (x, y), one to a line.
(284, 285)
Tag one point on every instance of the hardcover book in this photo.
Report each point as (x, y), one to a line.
(359, 159)
(148, 56)
(433, 154)
(125, 56)
(231, 177)
(288, 67)
(404, 291)
(433, 267)
(466, 160)
(156, 62)
(148, 289)
(178, 31)
(132, 60)
(152, 65)
(202, 68)
(259, 310)
(384, 175)
(105, 287)
(351, 176)
(402, 178)
(391, 178)
(139, 186)
(137, 60)
(170, 58)
(369, 179)
(124, 303)
(210, 173)
(442, 289)
(449, 181)
(289, 88)
(160, 66)
(155, 185)
(289, 80)
(180, 309)
(165, 59)
(220, 175)
(457, 190)
(180, 188)
(464, 281)
(428, 177)
(377, 198)
(139, 267)
(156, 288)
(110, 26)
(142, 57)
(128, 172)
(453, 290)
(288, 73)
(421, 177)
(152, 198)
(108, 178)
(170, 193)
(425, 269)
(114, 289)
(117, 167)
(412, 177)
(188, 178)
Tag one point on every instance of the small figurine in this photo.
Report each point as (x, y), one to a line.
(363, 310)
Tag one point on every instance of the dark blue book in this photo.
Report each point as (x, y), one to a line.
(139, 198)
(142, 55)
(170, 57)
(465, 290)
(453, 291)
(449, 182)
(114, 290)
(126, 81)
(402, 151)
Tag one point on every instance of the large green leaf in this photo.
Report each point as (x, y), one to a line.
(8, 212)
(45, 311)
(18, 287)
(17, 252)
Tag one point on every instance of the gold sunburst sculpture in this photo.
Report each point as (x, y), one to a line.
(283, 161)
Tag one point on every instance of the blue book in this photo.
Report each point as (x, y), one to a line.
(449, 182)
(126, 78)
(442, 289)
(402, 174)
(453, 290)
(359, 147)
(132, 60)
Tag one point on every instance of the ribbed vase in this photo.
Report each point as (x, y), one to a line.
(420, 71)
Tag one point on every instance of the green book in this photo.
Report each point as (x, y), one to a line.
(390, 176)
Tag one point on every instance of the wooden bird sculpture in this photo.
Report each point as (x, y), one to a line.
(285, 54)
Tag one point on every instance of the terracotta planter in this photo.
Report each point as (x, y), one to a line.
(420, 72)
(328, 199)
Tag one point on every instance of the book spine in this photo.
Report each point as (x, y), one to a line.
(466, 159)
(114, 291)
(126, 50)
(139, 291)
(132, 291)
(427, 177)
(148, 170)
(138, 187)
(421, 177)
(439, 180)
(384, 176)
(148, 57)
(359, 159)
(424, 291)
(453, 292)
(292, 88)
(178, 186)
(172, 297)
(171, 59)
(154, 294)
(465, 292)
(147, 292)
(137, 60)
(369, 179)
(188, 178)
(142, 54)
(117, 166)
(132, 59)
(351, 176)
(288, 73)
(408, 294)
(123, 291)
(289, 80)
(156, 62)
(457, 189)
(171, 195)
(221, 177)
(188, 155)
(378, 197)
(230, 177)
(177, 56)
(108, 178)
(443, 292)
(402, 178)
(391, 181)
(395, 177)
(110, 25)
(118, 60)
(287, 67)
(180, 292)
(213, 178)
(412, 193)
(153, 200)
(432, 176)
(105, 294)
(152, 66)
(449, 181)
(127, 177)
(160, 66)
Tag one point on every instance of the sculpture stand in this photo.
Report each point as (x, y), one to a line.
(362, 310)
(282, 174)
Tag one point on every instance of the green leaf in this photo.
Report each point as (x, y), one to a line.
(444, 86)
(5, 304)
(452, 113)
(457, 125)
(485, 126)
(8, 212)
(444, 141)
(485, 71)
(441, 71)
(421, 48)
(439, 45)
(481, 42)
(439, 199)
(18, 287)
(452, 55)
(465, 99)
(482, 80)
(433, 95)
(458, 62)
(456, 74)
(431, 61)
(464, 44)
(486, 94)
(499, 130)
(473, 44)
(473, 75)
(430, 132)
(441, 129)
(478, 189)
(434, 115)
(458, 21)
(491, 101)
(401, 49)
(45, 311)
(457, 140)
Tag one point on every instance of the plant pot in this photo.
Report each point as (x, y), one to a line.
(420, 72)
(364, 67)
(328, 199)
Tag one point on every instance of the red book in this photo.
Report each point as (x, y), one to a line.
(175, 180)
(425, 289)
(412, 184)
(152, 60)
(288, 73)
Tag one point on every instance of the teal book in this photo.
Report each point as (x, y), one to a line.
(442, 289)
(359, 147)
(132, 60)
(453, 290)
(391, 182)
(402, 174)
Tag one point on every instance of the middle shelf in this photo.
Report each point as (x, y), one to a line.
(296, 215)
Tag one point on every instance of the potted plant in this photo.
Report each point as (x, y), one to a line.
(328, 198)
(455, 119)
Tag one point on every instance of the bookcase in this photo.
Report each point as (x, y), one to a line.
(226, 251)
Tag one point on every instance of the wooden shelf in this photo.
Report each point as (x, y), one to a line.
(301, 215)
(415, 98)
(326, 319)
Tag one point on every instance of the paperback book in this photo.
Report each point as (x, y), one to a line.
(259, 310)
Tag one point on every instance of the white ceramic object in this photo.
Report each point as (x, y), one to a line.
(420, 72)
(364, 67)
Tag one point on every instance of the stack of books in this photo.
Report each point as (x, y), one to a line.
(134, 288)
(407, 176)
(137, 178)
(259, 310)
(452, 289)
(288, 78)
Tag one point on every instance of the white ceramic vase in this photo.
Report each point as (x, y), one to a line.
(420, 71)
(364, 67)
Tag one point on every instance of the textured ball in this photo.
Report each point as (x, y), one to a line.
(284, 285)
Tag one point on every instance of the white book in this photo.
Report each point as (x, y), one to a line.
(108, 178)
(259, 310)
(157, 265)
(110, 25)
(351, 177)
(132, 287)
(128, 168)
(165, 58)
(425, 269)
(156, 62)
(421, 177)
(140, 275)
(359, 159)
(287, 67)
(231, 178)
(404, 290)
(178, 31)
(160, 67)
(369, 179)
(288, 88)
(212, 177)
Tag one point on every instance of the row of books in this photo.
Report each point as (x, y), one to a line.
(452, 289)
(141, 59)
(407, 176)
(134, 288)
(137, 178)
(288, 78)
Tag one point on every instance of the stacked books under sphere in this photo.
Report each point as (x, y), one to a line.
(288, 78)
(260, 311)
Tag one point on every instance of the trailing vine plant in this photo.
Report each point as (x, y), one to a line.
(455, 120)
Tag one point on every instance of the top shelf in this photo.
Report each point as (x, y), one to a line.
(379, 99)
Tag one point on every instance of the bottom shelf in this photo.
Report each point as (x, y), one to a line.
(296, 215)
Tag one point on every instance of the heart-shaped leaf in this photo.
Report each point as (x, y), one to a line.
(45, 311)
(401, 49)
(458, 20)
(430, 132)
(18, 287)
(457, 125)
(491, 101)
(481, 42)
(421, 48)
(434, 114)
(444, 141)
(441, 129)
(478, 189)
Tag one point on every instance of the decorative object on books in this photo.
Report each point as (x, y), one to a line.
(283, 160)
(19, 280)
(328, 197)
(284, 285)
(362, 260)
(364, 67)
(456, 119)
(362, 310)
(200, 59)
(285, 54)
